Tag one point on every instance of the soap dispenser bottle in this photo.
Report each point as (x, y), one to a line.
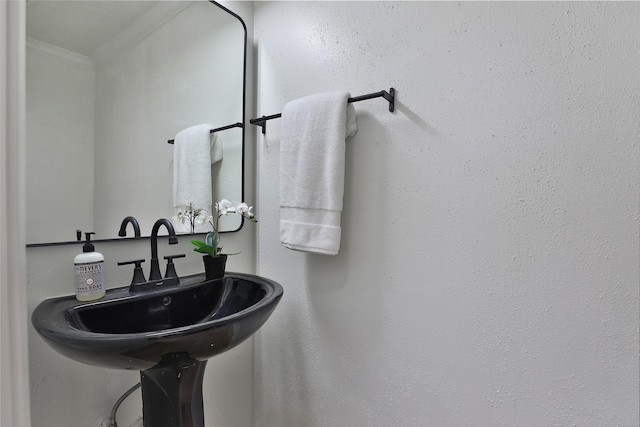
(89, 266)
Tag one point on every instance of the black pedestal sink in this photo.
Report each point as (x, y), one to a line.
(167, 334)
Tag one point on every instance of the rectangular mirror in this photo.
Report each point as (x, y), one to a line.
(108, 84)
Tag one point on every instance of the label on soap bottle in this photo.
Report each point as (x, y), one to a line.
(90, 279)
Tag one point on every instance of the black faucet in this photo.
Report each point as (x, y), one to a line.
(155, 266)
(134, 223)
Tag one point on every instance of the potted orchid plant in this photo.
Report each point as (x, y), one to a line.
(214, 259)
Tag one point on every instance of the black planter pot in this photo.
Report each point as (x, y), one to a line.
(214, 266)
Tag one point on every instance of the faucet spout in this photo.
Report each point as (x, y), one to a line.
(155, 265)
(123, 227)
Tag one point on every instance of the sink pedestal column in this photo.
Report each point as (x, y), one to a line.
(172, 393)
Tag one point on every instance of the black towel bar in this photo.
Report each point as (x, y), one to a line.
(235, 125)
(389, 96)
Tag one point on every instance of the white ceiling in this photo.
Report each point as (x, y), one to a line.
(81, 26)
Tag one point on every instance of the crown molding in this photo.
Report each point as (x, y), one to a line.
(148, 23)
(56, 53)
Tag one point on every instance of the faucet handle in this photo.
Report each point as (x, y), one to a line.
(138, 274)
(171, 269)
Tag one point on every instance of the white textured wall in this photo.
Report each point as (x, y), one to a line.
(489, 268)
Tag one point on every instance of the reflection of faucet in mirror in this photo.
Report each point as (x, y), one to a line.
(155, 266)
(134, 223)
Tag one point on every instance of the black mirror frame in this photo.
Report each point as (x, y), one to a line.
(243, 127)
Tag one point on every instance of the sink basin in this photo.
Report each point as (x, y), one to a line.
(197, 319)
(167, 334)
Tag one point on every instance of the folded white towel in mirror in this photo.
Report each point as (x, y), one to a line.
(195, 149)
(312, 164)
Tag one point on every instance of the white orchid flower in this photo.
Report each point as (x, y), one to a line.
(202, 217)
(245, 210)
(242, 208)
(224, 207)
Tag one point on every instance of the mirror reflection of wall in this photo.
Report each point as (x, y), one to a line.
(98, 119)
